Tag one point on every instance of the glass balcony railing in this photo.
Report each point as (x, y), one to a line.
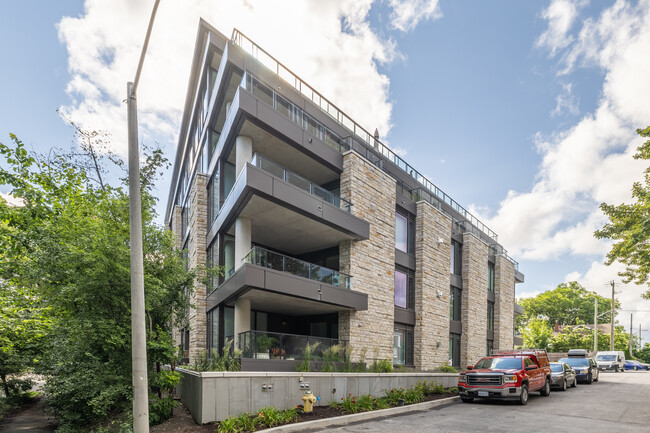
(274, 345)
(279, 262)
(299, 181)
(343, 119)
(498, 249)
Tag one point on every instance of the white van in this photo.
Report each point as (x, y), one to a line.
(611, 360)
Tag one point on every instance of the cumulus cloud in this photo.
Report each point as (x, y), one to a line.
(407, 14)
(566, 101)
(560, 15)
(329, 44)
(589, 162)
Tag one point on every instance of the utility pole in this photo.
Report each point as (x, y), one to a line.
(138, 330)
(595, 324)
(611, 334)
(631, 333)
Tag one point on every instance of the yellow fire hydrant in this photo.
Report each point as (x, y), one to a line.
(308, 399)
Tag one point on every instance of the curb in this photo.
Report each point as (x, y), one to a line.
(339, 421)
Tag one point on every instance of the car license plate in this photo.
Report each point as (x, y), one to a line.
(483, 393)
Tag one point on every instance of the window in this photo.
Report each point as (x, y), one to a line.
(185, 222)
(228, 323)
(213, 197)
(403, 345)
(214, 334)
(491, 277)
(490, 316)
(456, 258)
(490, 348)
(404, 233)
(404, 288)
(454, 350)
(454, 304)
(212, 267)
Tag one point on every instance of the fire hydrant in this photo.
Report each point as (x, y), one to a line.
(308, 401)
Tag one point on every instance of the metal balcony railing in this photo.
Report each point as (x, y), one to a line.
(274, 345)
(299, 181)
(272, 260)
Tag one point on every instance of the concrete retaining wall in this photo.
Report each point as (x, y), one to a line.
(214, 396)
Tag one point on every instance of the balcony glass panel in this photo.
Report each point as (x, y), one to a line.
(275, 345)
(279, 262)
(299, 181)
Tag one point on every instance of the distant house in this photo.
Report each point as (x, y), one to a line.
(586, 328)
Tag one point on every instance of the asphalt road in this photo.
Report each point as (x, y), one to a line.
(618, 402)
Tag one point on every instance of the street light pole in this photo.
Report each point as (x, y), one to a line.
(138, 330)
(595, 324)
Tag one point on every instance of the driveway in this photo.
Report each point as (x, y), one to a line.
(618, 402)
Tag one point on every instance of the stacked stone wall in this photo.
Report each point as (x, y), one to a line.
(473, 342)
(504, 303)
(370, 262)
(432, 282)
(176, 232)
(198, 222)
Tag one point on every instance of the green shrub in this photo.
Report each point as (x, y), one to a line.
(229, 425)
(307, 356)
(381, 366)
(212, 361)
(331, 356)
(446, 368)
(413, 395)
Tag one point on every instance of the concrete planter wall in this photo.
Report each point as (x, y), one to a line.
(214, 396)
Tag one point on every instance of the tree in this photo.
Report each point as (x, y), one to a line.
(628, 226)
(568, 304)
(69, 245)
(580, 337)
(537, 334)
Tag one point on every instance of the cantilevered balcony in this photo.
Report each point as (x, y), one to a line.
(287, 211)
(282, 284)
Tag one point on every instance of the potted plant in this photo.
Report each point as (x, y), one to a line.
(264, 343)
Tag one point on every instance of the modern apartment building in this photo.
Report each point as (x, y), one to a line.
(324, 234)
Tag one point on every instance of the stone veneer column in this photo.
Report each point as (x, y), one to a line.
(371, 263)
(432, 282)
(473, 342)
(504, 303)
(198, 222)
(176, 232)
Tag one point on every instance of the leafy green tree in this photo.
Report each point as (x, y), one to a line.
(628, 226)
(644, 354)
(580, 337)
(568, 304)
(69, 244)
(536, 334)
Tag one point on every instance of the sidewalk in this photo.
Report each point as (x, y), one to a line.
(30, 419)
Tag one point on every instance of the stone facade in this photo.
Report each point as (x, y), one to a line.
(371, 263)
(176, 223)
(473, 342)
(198, 222)
(432, 281)
(504, 303)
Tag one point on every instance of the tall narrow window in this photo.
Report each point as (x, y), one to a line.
(213, 197)
(490, 348)
(403, 345)
(491, 277)
(404, 288)
(404, 232)
(456, 258)
(454, 304)
(490, 316)
(454, 350)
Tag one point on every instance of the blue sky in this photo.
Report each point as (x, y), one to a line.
(523, 112)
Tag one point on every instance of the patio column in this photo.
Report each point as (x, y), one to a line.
(242, 240)
(243, 152)
(242, 318)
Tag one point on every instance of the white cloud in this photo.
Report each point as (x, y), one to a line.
(560, 15)
(407, 14)
(329, 44)
(11, 200)
(566, 102)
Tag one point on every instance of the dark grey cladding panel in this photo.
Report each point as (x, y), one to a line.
(406, 203)
(490, 335)
(297, 198)
(278, 122)
(458, 237)
(404, 259)
(335, 295)
(342, 218)
(253, 276)
(518, 341)
(519, 309)
(519, 277)
(490, 296)
(406, 317)
(456, 280)
(288, 284)
(455, 327)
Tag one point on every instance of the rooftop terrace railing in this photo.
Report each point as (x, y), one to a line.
(300, 182)
(270, 259)
(333, 111)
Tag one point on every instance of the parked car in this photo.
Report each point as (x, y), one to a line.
(611, 360)
(586, 369)
(631, 364)
(507, 375)
(577, 353)
(563, 376)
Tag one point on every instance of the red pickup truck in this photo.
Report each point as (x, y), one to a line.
(507, 375)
